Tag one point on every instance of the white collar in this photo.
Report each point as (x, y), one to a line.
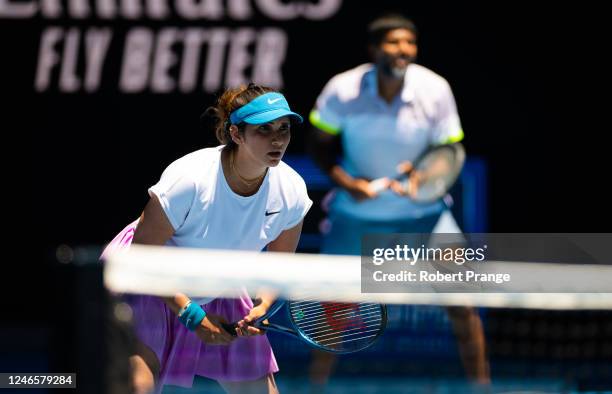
(370, 83)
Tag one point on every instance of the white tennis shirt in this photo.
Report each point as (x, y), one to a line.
(206, 213)
(377, 136)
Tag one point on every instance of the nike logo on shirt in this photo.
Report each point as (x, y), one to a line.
(271, 213)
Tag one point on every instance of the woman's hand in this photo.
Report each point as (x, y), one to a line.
(211, 332)
(244, 327)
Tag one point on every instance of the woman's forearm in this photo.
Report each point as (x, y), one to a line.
(177, 302)
(265, 298)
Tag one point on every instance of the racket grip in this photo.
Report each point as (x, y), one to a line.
(378, 185)
(230, 328)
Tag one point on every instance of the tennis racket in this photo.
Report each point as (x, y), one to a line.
(331, 326)
(437, 171)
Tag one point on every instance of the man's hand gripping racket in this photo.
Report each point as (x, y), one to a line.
(430, 177)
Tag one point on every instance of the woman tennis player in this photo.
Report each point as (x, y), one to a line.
(239, 195)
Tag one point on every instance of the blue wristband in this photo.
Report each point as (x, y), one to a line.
(192, 316)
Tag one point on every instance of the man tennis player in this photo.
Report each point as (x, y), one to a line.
(382, 116)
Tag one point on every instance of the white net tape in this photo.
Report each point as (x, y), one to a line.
(165, 271)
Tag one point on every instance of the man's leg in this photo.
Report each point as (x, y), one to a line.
(469, 332)
(466, 322)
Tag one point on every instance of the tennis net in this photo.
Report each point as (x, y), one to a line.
(555, 341)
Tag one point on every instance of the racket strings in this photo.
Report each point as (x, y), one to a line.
(338, 325)
(306, 316)
(321, 337)
(344, 342)
(441, 167)
(328, 306)
(364, 324)
(323, 320)
(342, 338)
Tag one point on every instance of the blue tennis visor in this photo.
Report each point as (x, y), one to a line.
(264, 109)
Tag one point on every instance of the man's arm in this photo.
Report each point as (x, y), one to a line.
(324, 148)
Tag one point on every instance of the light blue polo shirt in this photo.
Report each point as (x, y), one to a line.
(377, 136)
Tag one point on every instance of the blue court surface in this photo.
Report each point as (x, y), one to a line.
(357, 385)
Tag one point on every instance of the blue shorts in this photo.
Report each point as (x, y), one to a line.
(344, 233)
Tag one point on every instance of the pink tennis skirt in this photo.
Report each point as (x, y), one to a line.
(181, 354)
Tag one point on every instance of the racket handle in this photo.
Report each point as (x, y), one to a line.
(378, 185)
(278, 328)
(381, 184)
(230, 328)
